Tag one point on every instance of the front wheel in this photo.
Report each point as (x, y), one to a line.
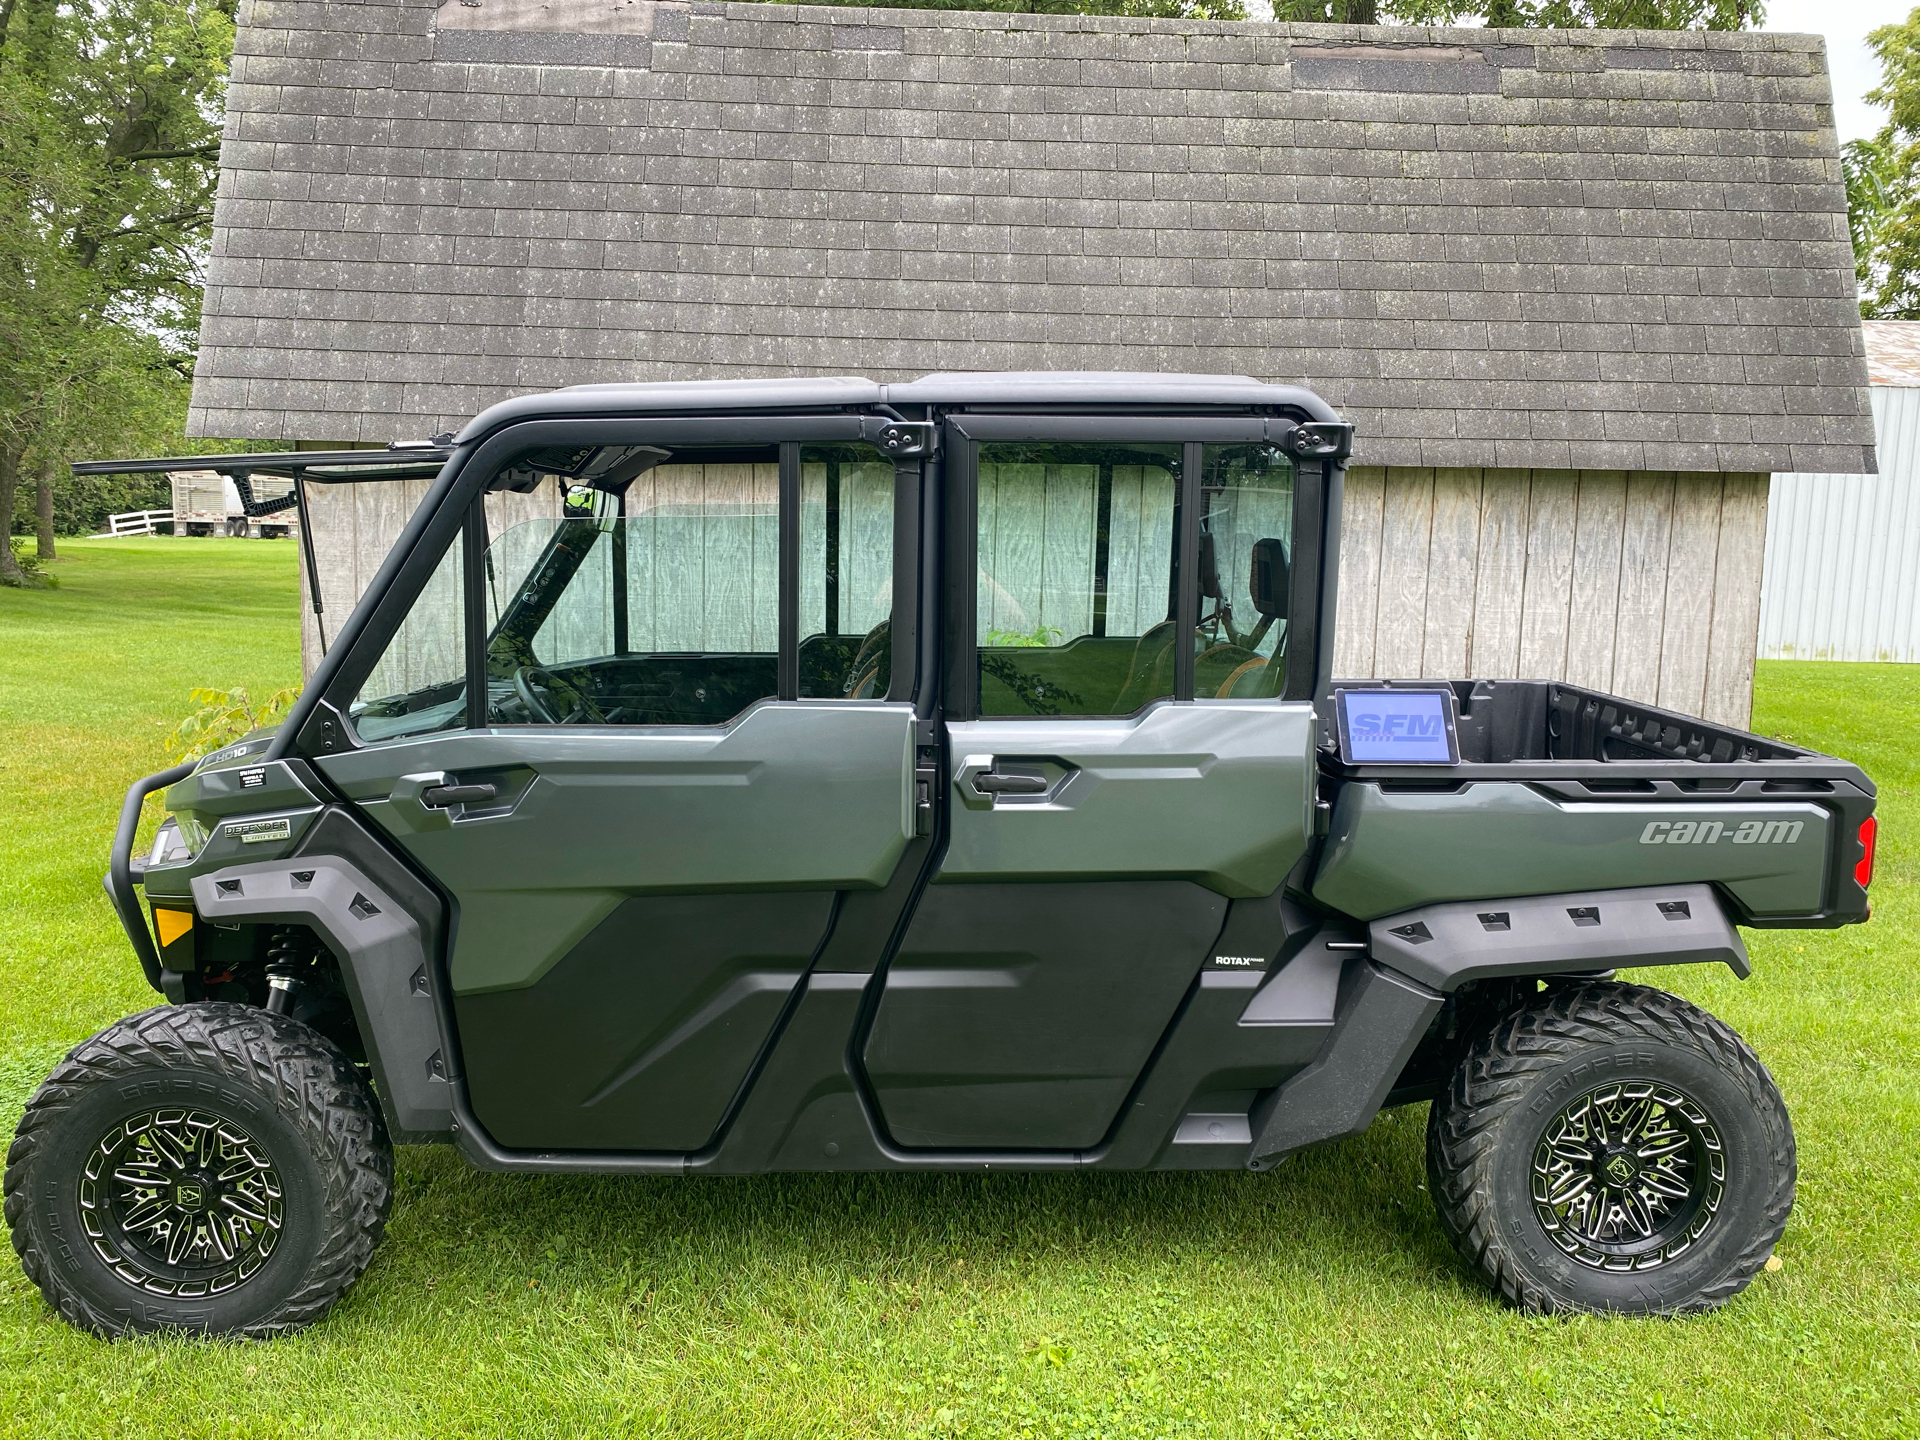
(1615, 1150)
(210, 1168)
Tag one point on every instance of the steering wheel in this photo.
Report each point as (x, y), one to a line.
(529, 681)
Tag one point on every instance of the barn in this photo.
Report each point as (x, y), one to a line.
(1581, 293)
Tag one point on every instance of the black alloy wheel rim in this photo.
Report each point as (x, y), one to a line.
(181, 1203)
(1629, 1176)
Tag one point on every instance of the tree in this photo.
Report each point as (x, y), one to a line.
(1534, 14)
(1883, 193)
(1158, 9)
(110, 114)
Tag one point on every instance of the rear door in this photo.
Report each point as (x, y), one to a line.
(1130, 738)
(634, 720)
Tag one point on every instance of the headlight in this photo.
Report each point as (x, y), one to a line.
(180, 838)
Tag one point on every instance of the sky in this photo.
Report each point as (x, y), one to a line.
(1845, 24)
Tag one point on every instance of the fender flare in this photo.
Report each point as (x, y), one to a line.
(1444, 946)
(1388, 999)
(382, 961)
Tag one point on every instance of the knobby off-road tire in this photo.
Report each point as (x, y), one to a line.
(210, 1168)
(1690, 1122)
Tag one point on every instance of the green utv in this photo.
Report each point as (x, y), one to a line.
(933, 776)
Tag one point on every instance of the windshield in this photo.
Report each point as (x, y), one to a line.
(652, 594)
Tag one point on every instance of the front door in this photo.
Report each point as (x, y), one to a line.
(1130, 748)
(636, 724)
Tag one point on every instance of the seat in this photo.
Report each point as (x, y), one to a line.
(1257, 679)
(870, 661)
(1150, 674)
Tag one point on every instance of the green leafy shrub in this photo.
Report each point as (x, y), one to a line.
(1039, 637)
(26, 556)
(223, 717)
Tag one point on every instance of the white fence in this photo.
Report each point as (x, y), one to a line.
(135, 522)
(1843, 552)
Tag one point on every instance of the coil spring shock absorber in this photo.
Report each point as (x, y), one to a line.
(285, 956)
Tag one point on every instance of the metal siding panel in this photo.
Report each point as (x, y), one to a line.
(1842, 579)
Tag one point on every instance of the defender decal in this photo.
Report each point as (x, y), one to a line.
(253, 832)
(1712, 832)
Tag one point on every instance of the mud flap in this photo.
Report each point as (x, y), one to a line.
(1381, 1019)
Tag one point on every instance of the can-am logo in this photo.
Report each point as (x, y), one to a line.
(1712, 832)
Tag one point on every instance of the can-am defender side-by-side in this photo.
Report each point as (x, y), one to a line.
(934, 776)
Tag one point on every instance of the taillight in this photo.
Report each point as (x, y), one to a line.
(1863, 868)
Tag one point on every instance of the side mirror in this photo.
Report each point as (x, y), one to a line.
(1318, 440)
(1268, 583)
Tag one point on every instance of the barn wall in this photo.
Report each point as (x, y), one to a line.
(1843, 552)
(353, 528)
(1645, 585)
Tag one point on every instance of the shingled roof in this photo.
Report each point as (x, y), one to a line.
(1621, 250)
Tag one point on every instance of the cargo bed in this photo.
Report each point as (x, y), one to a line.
(1562, 789)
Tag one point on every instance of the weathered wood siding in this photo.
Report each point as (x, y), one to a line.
(1037, 537)
(353, 528)
(1643, 585)
(702, 559)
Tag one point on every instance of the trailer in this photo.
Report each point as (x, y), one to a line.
(206, 502)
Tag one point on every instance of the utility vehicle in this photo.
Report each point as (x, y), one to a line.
(946, 775)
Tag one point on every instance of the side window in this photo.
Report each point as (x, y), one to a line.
(654, 600)
(1246, 544)
(1075, 611)
(846, 573)
(420, 683)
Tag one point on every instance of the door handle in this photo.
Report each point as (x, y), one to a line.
(423, 802)
(988, 783)
(435, 797)
(980, 785)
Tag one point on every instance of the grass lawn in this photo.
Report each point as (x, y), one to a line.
(1318, 1300)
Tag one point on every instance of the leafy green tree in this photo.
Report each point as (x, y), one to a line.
(1157, 9)
(1883, 182)
(110, 114)
(1337, 12)
(1534, 14)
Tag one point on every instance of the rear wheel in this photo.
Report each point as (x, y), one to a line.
(208, 1167)
(1613, 1149)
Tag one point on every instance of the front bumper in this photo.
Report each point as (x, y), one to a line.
(122, 874)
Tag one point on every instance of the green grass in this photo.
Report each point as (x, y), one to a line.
(1318, 1300)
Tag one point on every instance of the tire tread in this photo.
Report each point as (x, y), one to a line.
(313, 1086)
(1501, 1069)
